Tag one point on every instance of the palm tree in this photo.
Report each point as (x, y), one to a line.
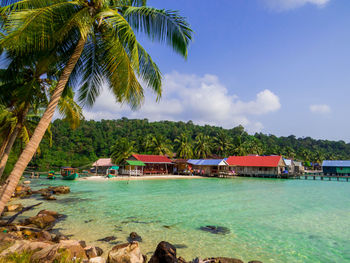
(96, 39)
(222, 144)
(20, 124)
(159, 145)
(253, 146)
(202, 146)
(184, 146)
(122, 150)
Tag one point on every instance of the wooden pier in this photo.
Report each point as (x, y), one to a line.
(324, 177)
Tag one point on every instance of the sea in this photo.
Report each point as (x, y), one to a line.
(270, 220)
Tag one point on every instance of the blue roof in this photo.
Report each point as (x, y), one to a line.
(336, 163)
(209, 162)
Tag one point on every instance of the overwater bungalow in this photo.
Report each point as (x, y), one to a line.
(336, 168)
(298, 167)
(208, 167)
(153, 164)
(258, 166)
(290, 166)
(102, 165)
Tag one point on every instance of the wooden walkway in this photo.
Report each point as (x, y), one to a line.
(324, 177)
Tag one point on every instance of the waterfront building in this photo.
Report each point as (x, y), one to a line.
(208, 167)
(102, 165)
(153, 164)
(290, 166)
(338, 168)
(259, 166)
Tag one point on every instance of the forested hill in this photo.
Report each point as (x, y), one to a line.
(95, 139)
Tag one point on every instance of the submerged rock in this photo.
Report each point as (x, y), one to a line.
(220, 230)
(128, 253)
(165, 253)
(179, 246)
(134, 237)
(59, 189)
(44, 219)
(107, 239)
(217, 260)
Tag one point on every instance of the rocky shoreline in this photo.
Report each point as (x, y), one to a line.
(36, 238)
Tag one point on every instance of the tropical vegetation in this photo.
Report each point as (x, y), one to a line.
(97, 139)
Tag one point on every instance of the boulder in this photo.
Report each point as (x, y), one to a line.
(134, 237)
(45, 255)
(13, 208)
(90, 252)
(97, 260)
(23, 245)
(59, 237)
(165, 253)
(59, 189)
(42, 221)
(44, 236)
(128, 253)
(22, 191)
(74, 248)
(99, 251)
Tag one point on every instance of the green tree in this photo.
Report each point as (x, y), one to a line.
(184, 146)
(159, 145)
(121, 150)
(222, 144)
(202, 146)
(96, 39)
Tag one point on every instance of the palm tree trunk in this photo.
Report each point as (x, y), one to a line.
(12, 140)
(4, 144)
(40, 130)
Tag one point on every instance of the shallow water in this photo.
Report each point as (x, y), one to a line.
(264, 219)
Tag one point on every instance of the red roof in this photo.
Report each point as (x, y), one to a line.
(256, 161)
(152, 158)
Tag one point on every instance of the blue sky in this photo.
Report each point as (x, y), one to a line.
(277, 66)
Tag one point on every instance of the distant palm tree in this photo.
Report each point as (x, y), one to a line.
(121, 150)
(202, 146)
(222, 144)
(159, 145)
(253, 146)
(184, 146)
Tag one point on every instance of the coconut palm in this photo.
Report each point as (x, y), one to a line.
(202, 146)
(21, 124)
(122, 150)
(222, 144)
(159, 145)
(97, 41)
(184, 146)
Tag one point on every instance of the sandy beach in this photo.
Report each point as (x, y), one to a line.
(143, 177)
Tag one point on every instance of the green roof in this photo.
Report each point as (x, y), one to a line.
(136, 163)
(114, 168)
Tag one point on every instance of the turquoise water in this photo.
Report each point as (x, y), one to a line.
(269, 220)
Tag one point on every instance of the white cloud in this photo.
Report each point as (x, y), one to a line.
(320, 108)
(202, 99)
(281, 5)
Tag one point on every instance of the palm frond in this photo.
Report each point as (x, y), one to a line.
(162, 25)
